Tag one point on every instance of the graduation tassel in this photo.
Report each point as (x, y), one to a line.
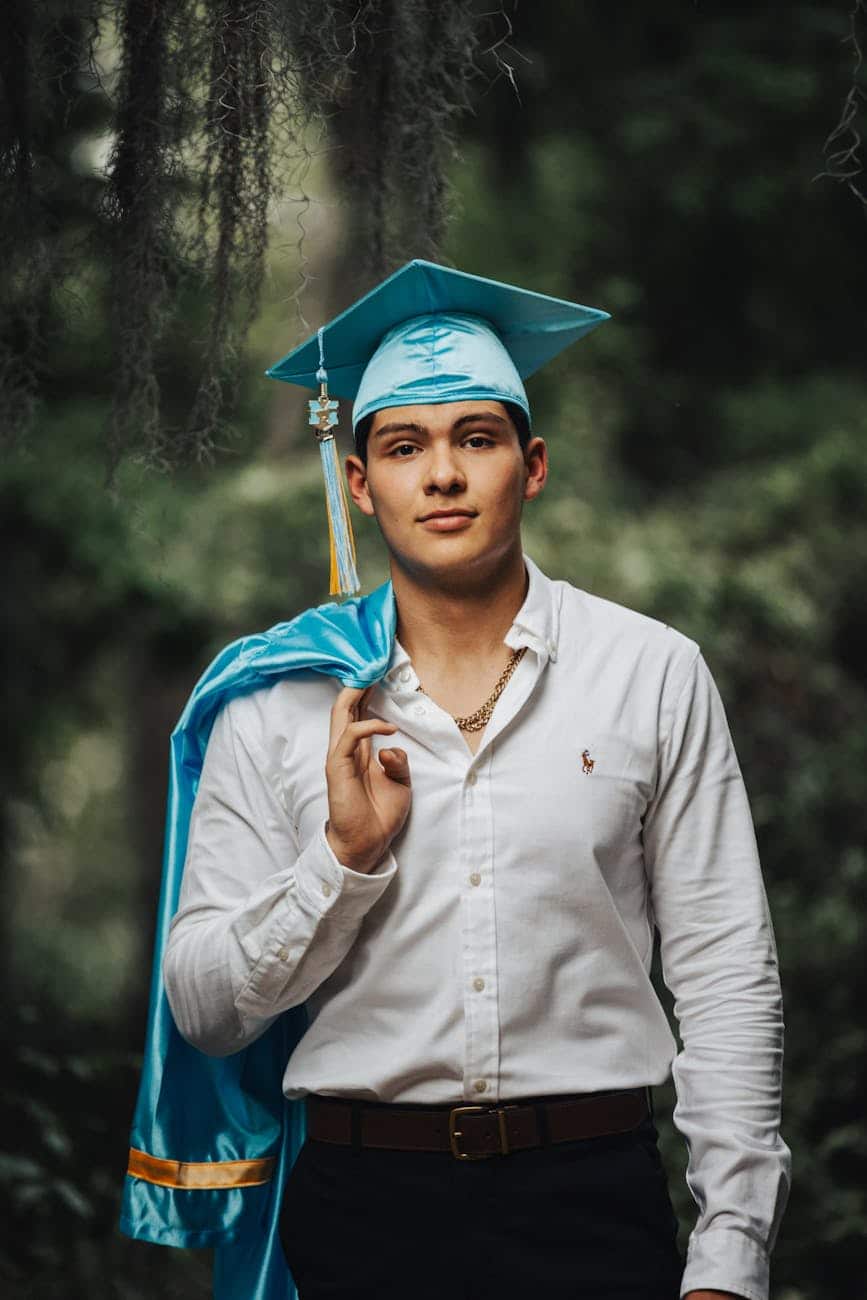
(344, 578)
(323, 414)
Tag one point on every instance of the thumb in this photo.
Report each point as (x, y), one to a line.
(395, 762)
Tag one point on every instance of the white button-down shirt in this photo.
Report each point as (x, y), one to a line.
(502, 947)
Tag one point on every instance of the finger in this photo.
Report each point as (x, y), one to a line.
(348, 694)
(363, 752)
(347, 742)
(343, 710)
(360, 704)
(352, 700)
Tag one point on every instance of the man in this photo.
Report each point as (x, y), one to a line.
(467, 916)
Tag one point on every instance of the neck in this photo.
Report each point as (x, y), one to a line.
(463, 616)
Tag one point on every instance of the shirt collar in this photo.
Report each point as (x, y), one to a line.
(536, 624)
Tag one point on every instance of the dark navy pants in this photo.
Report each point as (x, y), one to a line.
(582, 1220)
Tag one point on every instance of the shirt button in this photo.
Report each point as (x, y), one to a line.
(283, 954)
(475, 878)
(326, 889)
(478, 983)
(471, 778)
(480, 1085)
(419, 710)
(405, 674)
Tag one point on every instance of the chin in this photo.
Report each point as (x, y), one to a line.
(454, 554)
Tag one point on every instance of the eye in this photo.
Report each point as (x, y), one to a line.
(473, 437)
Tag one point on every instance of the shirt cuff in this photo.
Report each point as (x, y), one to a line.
(726, 1259)
(335, 891)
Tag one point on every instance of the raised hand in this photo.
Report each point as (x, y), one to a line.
(368, 795)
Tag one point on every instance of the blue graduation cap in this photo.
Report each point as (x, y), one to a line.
(426, 334)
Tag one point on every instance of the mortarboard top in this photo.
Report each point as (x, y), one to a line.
(533, 327)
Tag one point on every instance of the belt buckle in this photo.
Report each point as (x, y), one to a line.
(455, 1132)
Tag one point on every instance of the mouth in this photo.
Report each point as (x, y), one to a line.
(451, 521)
(447, 514)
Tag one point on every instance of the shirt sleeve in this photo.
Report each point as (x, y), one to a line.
(259, 925)
(719, 960)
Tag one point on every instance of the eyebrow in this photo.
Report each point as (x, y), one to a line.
(422, 430)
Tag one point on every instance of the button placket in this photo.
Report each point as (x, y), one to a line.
(481, 1013)
(419, 719)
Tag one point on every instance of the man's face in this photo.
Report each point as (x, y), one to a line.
(454, 456)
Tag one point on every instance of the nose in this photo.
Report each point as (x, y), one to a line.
(443, 472)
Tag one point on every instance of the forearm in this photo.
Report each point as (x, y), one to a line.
(229, 971)
(719, 959)
(728, 1080)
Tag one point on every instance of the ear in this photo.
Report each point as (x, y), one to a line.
(536, 465)
(356, 475)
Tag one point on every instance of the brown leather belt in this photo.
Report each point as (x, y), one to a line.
(471, 1131)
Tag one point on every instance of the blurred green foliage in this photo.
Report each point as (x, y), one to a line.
(709, 467)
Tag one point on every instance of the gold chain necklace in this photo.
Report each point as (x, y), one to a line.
(481, 717)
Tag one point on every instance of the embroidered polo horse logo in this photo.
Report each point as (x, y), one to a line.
(587, 763)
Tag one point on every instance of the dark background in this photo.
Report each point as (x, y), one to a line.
(709, 468)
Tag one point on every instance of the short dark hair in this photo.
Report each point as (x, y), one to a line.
(516, 414)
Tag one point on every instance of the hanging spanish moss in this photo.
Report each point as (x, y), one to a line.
(38, 60)
(145, 176)
(842, 148)
(235, 189)
(211, 108)
(393, 106)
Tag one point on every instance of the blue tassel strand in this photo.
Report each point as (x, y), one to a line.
(323, 414)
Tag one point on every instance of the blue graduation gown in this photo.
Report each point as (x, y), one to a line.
(213, 1139)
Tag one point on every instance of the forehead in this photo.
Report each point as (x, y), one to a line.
(440, 415)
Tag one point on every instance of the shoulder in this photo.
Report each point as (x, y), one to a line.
(629, 657)
(602, 626)
(281, 705)
(263, 676)
(290, 712)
